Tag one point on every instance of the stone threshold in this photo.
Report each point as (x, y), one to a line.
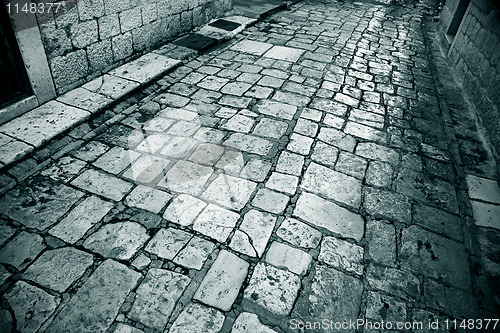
(34, 129)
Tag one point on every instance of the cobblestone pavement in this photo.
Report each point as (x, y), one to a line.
(308, 170)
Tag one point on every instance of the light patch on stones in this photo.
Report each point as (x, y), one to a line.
(216, 222)
(270, 201)
(276, 109)
(224, 279)
(272, 288)
(249, 143)
(117, 240)
(186, 177)
(102, 184)
(229, 191)
(342, 254)
(252, 236)
(252, 47)
(147, 198)
(156, 297)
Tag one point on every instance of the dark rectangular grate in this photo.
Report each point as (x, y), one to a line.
(196, 42)
(224, 25)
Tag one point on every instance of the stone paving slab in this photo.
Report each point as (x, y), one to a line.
(146, 68)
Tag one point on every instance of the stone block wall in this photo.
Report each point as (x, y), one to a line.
(93, 36)
(475, 56)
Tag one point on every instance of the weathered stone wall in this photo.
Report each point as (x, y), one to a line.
(96, 35)
(475, 56)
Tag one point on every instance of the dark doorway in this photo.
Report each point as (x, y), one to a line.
(14, 82)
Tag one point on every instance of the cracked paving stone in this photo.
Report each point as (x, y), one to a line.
(22, 250)
(229, 191)
(272, 288)
(381, 307)
(333, 185)
(117, 240)
(270, 128)
(239, 123)
(116, 160)
(253, 234)
(31, 306)
(197, 318)
(285, 256)
(64, 169)
(57, 269)
(166, 243)
(381, 239)
(393, 281)
(156, 297)
(102, 184)
(184, 209)
(195, 253)
(249, 143)
(330, 216)
(379, 174)
(306, 127)
(276, 109)
(249, 323)
(74, 226)
(231, 162)
(224, 279)
(331, 294)
(88, 310)
(186, 177)
(207, 154)
(434, 256)
(337, 138)
(298, 233)
(147, 198)
(365, 132)
(216, 222)
(39, 203)
(385, 204)
(256, 170)
(342, 254)
(270, 201)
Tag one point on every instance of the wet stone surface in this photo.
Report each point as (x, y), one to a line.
(320, 165)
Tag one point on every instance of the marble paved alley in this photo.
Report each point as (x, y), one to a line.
(319, 172)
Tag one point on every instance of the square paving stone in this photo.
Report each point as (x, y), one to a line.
(111, 86)
(330, 216)
(330, 294)
(229, 191)
(196, 42)
(102, 184)
(116, 160)
(385, 204)
(43, 123)
(332, 185)
(146, 68)
(381, 241)
(239, 123)
(256, 170)
(148, 198)
(38, 202)
(96, 304)
(283, 183)
(253, 234)
(252, 47)
(438, 220)
(184, 209)
(299, 233)
(196, 318)
(58, 269)
(483, 189)
(276, 109)
(431, 255)
(22, 250)
(31, 306)
(272, 288)
(285, 256)
(342, 254)
(157, 296)
(270, 128)
(195, 253)
(224, 279)
(325, 154)
(117, 240)
(168, 242)
(284, 53)
(74, 226)
(249, 143)
(216, 222)
(186, 177)
(486, 215)
(270, 201)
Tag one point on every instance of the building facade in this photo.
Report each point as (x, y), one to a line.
(50, 51)
(470, 32)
